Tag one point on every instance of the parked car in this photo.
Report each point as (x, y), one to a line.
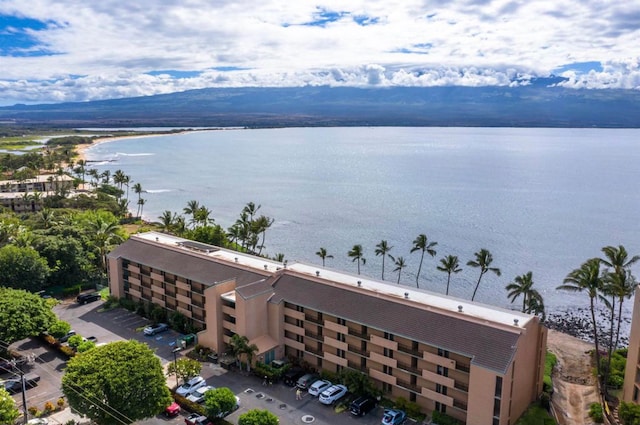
(393, 417)
(172, 410)
(306, 380)
(362, 405)
(332, 394)
(15, 385)
(191, 385)
(10, 365)
(88, 298)
(319, 386)
(66, 337)
(197, 395)
(291, 376)
(197, 419)
(38, 421)
(155, 329)
(236, 407)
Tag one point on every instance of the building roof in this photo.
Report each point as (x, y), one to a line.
(488, 346)
(186, 264)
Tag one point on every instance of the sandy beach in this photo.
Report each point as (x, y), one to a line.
(81, 149)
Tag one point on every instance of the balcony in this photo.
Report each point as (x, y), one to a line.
(408, 350)
(335, 359)
(156, 276)
(460, 405)
(313, 335)
(382, 342)
(294, 344)
(312, 319)
(183, 285)
(183, 299)
(332, 342)
(460, 386)
(358, 367)
(359, 351)
(357, 334)
(408, 368)
(336, 327)
(439, 360)
(462, 368)
(294, 329)
(294, 313)
(313, 351)
(384, 360)
(411, 387)
(438, 379)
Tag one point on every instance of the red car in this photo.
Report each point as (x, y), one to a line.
(172, 410)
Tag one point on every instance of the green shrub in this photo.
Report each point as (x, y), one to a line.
(545, 400)
(67, 351)
(127, 304)
(629, 413)
(549, 363)
(412, 409)
(443, 419)
(188, 405)
(595, 413)
(72, 290)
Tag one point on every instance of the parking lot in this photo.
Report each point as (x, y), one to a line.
(120, 324)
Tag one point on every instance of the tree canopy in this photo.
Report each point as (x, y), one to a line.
(118, 383)
(187, 368)
(219, 402)
(23, 314)
(258, 417)
(8, 411)
(23, 268)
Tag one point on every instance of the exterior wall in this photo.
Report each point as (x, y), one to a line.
(631, 387)
(214, 334)
(116, 283)
(481, 396)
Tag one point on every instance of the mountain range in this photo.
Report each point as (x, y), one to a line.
(541, 104)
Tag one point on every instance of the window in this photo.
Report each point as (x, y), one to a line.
(498, 392)
(443, 353)
(635, 394)
(441, 389)
(387, 370)
(441, 370)
(388, 336)
(388, 353)
(496, 408)
(442, 408)
(342, 322)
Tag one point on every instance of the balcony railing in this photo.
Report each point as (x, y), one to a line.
(314, 335)
(312, 319)
(462, 368)
(358, 366)
(459, 404)
(409, 350)
(409, 368)
(313, 351)
(363, 353)
(462, 387)
(408, 386)
(357, 334)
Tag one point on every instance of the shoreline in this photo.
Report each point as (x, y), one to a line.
(81, 149)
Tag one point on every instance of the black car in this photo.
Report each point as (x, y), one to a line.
(362, 405)
(291, 376)
(88, 298)
(15, 385)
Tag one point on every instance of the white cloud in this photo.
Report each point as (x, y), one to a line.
(114, 44)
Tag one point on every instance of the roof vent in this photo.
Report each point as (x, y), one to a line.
(317, 273)
(236, 259)
(266, 267)
(406, 295)
(157, 239)
(459, 309)
(359, 283)
(515, 322)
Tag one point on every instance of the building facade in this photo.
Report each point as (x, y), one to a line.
(631, 389)
(28, 195)
(476, 363)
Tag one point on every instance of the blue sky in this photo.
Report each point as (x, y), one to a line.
(77, 50)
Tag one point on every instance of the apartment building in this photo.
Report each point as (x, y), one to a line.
(631, 389)
(27, 195)
(476, 363)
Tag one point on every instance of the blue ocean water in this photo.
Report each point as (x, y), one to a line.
(541, 200)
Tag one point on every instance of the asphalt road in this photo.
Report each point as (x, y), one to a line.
(120, 324)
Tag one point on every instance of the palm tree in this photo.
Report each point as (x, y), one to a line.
(237, 346)
(449, 264)
(250, 351)
(587, 278)
(263, 223)
(421, 243)
(235, 232)
(620, 286)
(167, 220)
(141, 202)
(521, 285)
(202, 217)
(383, 249)
(535, 305)
(192, 209)
(47, 217)
(617, 258)
(356, 255)
(251, 209)
(483, 262)
(137, 188)
(400, 264)
(322, 253)
(104, 235)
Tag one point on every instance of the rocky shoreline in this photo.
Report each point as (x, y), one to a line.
(577, 323)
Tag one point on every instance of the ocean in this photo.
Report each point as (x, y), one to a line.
(540, 200)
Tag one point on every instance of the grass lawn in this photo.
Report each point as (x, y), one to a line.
(536, 415)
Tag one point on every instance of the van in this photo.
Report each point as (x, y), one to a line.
(292, 375)
(362, 405)
(306, 380)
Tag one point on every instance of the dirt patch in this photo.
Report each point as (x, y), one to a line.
(573, 381)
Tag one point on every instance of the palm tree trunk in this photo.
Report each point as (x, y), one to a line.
(383, 266)
(597, 345)
(419, 269)
(448, 280)
(619, 321)
(477, 286)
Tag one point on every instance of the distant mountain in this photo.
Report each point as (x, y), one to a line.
(536, 105)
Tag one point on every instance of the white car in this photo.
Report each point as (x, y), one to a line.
(197, 395)
(332, 394)
(190, 386)
(319, 386)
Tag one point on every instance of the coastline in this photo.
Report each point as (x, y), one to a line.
(82, 148)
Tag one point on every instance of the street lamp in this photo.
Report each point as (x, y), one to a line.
(175, 363)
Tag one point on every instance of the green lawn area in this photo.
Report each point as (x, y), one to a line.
(536, 415)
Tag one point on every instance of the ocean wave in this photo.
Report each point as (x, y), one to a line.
(158, 190)
(134, 154)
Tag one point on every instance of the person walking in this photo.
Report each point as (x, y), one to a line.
(298, 394)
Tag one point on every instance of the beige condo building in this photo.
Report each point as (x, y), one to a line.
(631, 388)
(479, 364)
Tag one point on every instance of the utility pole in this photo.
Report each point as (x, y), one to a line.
(24, 397)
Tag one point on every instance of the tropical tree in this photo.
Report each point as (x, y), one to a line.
(202, 217)
(250, 352)
(400, 264)
(622, 284)
(382, 249)
(521, 286)
(192, 209)
(258, 417)
(263, 223)
(104, 232)
(356, 254)
(167, 220)
(483, 262)
(8, 410)
(22, 268)
(237, 346)
(235, 232)
(141, 202)
(251, 209)
(185, 367)
(587, 279)
(322, 253)
(119, 178)
(449, 264)
(121, 382)
(22, 314)
(219, 402)
(137, 188)
(422, 244)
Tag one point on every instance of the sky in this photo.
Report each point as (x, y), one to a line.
(80, 50)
